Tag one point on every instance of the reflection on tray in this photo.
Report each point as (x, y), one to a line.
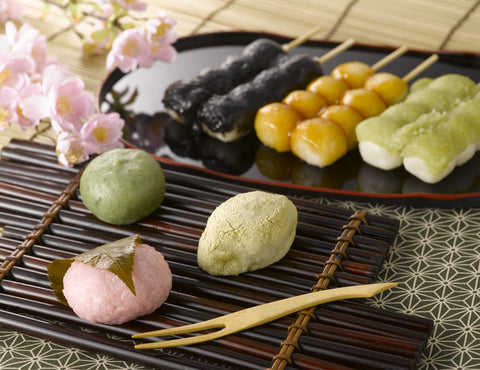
(289, 168)
(163, 136)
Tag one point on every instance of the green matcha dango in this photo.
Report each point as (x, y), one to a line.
(122, 186)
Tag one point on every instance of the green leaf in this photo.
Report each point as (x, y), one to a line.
(101, 35)
(75, 10)
(56, 271)
(117, 257)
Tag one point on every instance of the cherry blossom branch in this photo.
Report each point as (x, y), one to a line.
(35, 88)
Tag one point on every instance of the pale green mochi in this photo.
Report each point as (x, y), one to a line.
(458, 85)
(421, 112)
(404, 112)
(421, 83)
(457, 129)
(380, 129)
(421, 126)
(432, 99)
(467, 121)
(434, 149)
(437, 138)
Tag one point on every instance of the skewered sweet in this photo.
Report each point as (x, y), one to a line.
(352, 106)
(319, 94)
(274, 123)
(329, 87)
(390, 87)
(375, 135)
(307, 103)
(230, 116)
(347, 118)
(318, 141)
(368, 103)
(354, 74)
(275, 132)
(183, 98)
(442, 141)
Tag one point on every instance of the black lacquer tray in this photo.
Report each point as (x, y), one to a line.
(150, 128)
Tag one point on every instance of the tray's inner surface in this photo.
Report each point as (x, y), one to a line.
(148, 126)
(346, 333)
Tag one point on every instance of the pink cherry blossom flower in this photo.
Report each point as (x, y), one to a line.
(105, 7)
(24, 93)
(129, 50)
(20, 39)
(64, 101)
(8, 98)
(70, 149)
(10, 9)
(163, 52)
(26, 42)
(160, 33)
(55, 75)
(70, 104)
(15, 70)
(161, 28)
(102, 132)
(132, 5)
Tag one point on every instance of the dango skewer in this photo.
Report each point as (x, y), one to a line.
(274, 122)
(230, 116)
(347, 76)
(437, 129)
(375, 135)
(317, 140)
(315, 150)
(182, 98)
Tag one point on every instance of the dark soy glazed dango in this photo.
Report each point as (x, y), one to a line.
(183, 98)
(230, 116)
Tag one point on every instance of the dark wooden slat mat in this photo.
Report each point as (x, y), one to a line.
(44, 219)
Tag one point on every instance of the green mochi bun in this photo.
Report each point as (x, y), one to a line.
(122, 186)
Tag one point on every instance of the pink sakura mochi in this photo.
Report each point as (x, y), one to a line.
(98, 295)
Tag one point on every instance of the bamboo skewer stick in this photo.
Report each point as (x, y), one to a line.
(301, 39)
(420, 68)
(390, 58)
(336, 51)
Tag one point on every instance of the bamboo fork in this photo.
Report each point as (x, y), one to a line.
(258, 315)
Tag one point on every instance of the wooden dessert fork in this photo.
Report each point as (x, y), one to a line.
(258, 315)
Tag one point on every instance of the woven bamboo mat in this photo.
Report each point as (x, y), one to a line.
(423, 24)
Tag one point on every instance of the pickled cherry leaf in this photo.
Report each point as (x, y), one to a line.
(117, 257)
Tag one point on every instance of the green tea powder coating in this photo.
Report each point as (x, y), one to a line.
(122, 186)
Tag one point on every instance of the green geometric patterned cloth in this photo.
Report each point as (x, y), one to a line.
(435, 259)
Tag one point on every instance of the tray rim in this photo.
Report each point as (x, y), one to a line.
(415, 199)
